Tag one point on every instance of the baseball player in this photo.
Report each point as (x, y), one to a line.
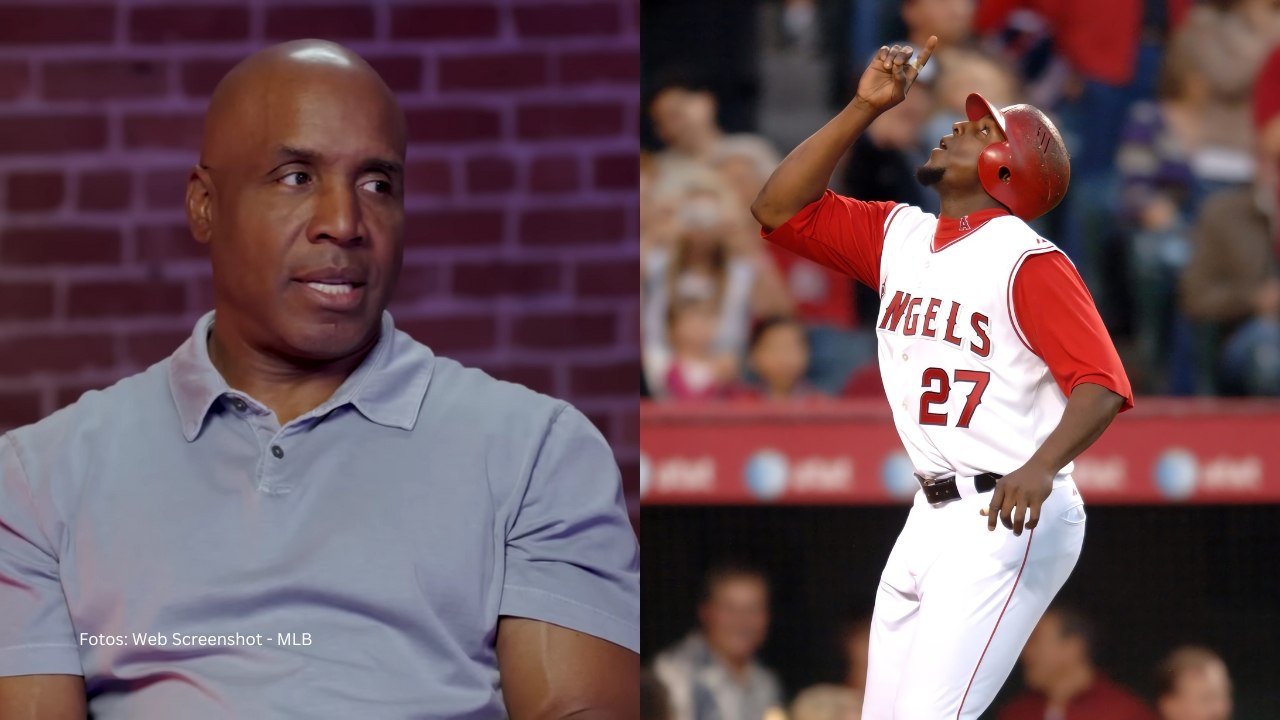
(999, 373)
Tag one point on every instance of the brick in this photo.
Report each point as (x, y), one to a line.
(18, 408)
(602, 421)
(555, 331)
(543, 121)
(557, 174)
(619, 278)
(67, 394)
(538, 378)
(505, 71)
(166, 189)
(144, 349)
(35, 191)
(457, 228)
(62, 245)
(52, 133)
(102, 80)
(188, 23)
(105, 190)
(56, 24)
(428, 177)
(490, 175)
(453, 334)
(200, 77)
(56, 354)
(15, 80)
(160, 243)
(567, 19)
(599, 66)
(337, 22)
(622, 379)
(26, 300)
(167, 131)
(416, 282)
(454, 125)
(400, 73)
(572, 226)
(117, 298)
(460, 20)
(617, 172)
(506, 278)
(630, 478)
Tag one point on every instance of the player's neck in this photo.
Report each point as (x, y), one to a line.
(959, 206)
(1069, 686)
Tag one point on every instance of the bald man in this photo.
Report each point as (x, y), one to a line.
(302, 512)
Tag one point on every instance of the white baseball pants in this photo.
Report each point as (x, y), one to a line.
(957, 603)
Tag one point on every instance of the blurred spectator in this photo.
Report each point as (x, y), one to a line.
(683, 114)
(712, 674)
(950, 20)
(655, 704)
(697, 371)
(857, 641)
(707, 260)
(1229, 40)
(1061, 679)
(1192, 684)
(826, 702)
(1230, 286)
(1160, 194)
(778, 357)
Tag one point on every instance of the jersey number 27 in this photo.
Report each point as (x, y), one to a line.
(937, 385)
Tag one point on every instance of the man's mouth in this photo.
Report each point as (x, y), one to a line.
(333, 288)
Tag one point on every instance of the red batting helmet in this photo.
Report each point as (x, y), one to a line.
(1028, 172)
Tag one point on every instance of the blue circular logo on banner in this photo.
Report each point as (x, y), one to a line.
(899, 475)
(766, 474)
(1176, 473)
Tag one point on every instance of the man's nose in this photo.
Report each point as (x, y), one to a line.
(337, 216)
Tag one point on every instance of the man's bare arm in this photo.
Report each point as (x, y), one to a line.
(42, 697)
(805, 172)
(549, 672)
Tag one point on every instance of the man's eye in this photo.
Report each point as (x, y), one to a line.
(296, 178)
(382, 187)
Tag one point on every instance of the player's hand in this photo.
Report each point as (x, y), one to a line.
(1021, 490)
(887, 79)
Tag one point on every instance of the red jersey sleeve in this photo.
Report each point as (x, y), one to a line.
(840, 233)
(1057, 317)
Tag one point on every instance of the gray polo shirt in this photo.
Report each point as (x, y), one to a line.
(169, 541)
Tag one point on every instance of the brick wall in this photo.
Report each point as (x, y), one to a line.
(520, 255)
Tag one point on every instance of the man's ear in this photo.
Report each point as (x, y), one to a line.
(200, 203)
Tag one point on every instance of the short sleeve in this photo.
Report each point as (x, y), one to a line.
(839, 233)
(1055, 314)
(572, 558)
(36, 635)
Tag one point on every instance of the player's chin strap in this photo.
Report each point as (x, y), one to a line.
(940, 490)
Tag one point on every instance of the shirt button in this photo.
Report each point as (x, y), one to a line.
(277, 451)
(239, 404)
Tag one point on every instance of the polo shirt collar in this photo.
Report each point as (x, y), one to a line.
(387, 388)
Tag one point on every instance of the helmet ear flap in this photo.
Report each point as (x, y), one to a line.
(995, 171)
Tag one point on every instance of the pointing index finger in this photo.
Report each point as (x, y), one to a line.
(926, 52)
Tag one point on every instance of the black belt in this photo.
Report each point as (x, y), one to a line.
(944, 489)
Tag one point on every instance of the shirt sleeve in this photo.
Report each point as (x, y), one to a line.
(572, 557)
(36, 635)
(1056, 315)
(839, 233)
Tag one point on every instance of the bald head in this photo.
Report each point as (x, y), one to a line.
(285, 74)
(300, 195)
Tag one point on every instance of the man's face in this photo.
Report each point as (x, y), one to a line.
(306, 232)
(680, 117)
(954, 163)
(1199, 694)
(1048, 653)
(735, 618)
(950, 20)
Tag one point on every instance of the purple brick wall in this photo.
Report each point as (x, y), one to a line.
(520, 253)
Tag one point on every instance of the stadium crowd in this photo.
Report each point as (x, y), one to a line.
(714, 673)
(1171, 109)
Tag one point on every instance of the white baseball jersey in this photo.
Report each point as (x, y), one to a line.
(968, 395)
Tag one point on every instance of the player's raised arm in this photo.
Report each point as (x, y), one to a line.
(804, 173)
